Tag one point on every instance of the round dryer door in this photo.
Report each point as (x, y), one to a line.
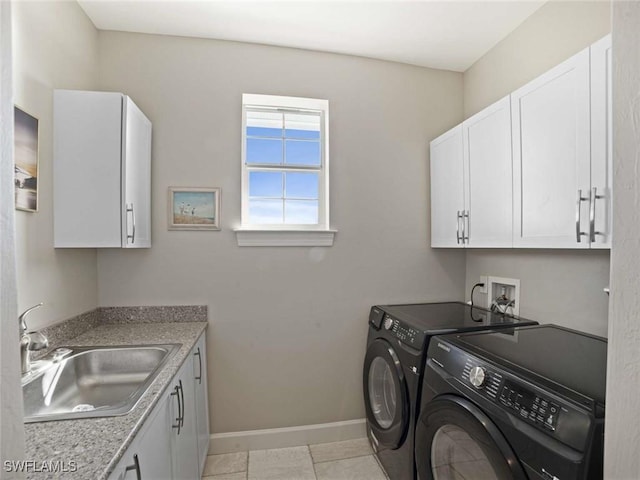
(455, 439)
(385, 393)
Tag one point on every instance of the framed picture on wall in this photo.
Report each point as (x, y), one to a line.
(192, 208)
(26, 160)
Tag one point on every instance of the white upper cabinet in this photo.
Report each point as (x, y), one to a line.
(533, 170)
(471, 181)
(487, 164)
(447, 195)
(601, 146)
(102, 171)
(551, 157)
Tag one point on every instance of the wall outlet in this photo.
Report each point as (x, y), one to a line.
(509, 287)
(483, 279)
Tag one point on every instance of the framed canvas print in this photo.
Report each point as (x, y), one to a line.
(192, 208)
(26, 160)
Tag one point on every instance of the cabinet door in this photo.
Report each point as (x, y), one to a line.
(447, 183)
(136, 177)
(488, 176)
(201, 399)
(184, 444)
(155, 444)
(86, 168)
(551, 153)
(149, 456)
(601, 145)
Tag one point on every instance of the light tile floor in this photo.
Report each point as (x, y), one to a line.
(348, 460)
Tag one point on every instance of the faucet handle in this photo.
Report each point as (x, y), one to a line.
(23, 315)
(37, 341)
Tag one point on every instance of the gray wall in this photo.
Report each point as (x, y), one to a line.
(623, 373)
(288, 324)
(563, 287)
(55, 46)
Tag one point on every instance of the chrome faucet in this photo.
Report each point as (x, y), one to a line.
(29, 341)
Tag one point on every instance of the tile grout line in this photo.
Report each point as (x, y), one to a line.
(345, 458)
(313, 465)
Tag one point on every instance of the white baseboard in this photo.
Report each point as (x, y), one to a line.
(286, 437)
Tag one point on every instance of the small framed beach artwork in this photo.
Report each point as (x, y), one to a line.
(192, 208)
(25, 158)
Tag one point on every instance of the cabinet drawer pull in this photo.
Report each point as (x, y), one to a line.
(199, 377)
(183, 405)
(135, 466)
(179, 417)
(578, 202)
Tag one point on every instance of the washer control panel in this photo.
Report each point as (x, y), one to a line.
(490, 379)
(403, 332)
(525, 398)
(527, 404)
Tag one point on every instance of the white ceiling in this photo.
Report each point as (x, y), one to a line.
(448, 34)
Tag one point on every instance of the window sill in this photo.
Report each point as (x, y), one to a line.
(284, 238)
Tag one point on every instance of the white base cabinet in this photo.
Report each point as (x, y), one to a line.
(184, 442)
(199, 357)
(101, 171)
(173, 442)
(149, 456)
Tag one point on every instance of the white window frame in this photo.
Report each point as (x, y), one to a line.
(318, 234)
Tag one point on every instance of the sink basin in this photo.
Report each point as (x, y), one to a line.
(84, 382)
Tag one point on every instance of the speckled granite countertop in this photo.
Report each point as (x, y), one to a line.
(97, 444)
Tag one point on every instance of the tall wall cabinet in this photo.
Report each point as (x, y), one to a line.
(534, 169)
(101, 171)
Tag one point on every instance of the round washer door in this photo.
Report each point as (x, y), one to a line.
(455, 439)
(385, 394)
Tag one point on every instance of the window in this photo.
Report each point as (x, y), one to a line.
(285, 167)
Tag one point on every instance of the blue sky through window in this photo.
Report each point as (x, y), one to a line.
(286, 139)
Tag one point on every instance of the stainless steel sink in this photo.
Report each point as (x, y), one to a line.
(91, 381)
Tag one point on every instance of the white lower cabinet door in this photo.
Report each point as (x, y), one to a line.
(184, 444)
(149, 456)
(199, 356)
(155, 445)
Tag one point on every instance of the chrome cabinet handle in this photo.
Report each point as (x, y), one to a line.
(132, 237)
(465, 227)
(580, 199)
(135, 466)
(458, 217)
(179, 417)
(183, 405)
(199, 377)
(592, 214)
